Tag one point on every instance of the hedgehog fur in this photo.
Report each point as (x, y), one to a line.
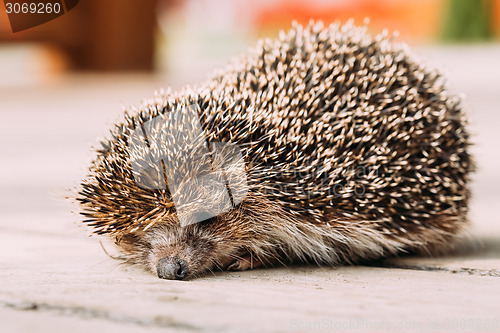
(353, 151)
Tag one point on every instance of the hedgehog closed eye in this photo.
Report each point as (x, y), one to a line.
(326, 146)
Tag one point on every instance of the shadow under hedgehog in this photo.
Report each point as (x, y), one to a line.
(349, 149)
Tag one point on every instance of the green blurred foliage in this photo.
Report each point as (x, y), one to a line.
(468, 20)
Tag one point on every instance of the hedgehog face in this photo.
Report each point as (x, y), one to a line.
(176, 252)
(251, 235)
(180, 252)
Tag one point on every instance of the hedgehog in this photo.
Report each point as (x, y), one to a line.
(327, 146)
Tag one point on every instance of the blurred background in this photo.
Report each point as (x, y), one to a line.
(64, 83)
(185, 37)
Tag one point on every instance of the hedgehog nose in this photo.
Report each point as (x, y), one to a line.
(172, 268)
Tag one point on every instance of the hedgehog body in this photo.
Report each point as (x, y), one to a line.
(352, 150)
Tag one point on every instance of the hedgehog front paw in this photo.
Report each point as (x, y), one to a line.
(244, 263)
(239, 265)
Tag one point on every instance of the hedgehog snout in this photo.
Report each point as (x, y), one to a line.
(172, 268)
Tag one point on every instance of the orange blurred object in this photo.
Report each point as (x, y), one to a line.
(496, 18)
(415, 20)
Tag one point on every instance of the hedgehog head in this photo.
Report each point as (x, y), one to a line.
(176, 203)
(173, 251)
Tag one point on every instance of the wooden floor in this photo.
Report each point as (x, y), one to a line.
(55, 278)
